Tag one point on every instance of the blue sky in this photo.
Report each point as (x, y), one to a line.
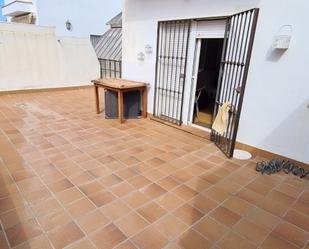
(2, 18)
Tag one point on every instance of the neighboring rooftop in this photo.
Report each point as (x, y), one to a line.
(116, 21)
(109, 45)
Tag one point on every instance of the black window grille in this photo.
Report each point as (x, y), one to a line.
(110, 68)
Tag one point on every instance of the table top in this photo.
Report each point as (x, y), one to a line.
(118, 83)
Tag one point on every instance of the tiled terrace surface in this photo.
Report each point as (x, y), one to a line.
(70, 178)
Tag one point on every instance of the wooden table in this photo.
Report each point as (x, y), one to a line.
(120, 86)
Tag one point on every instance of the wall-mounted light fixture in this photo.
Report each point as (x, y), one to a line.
(68, 25)
(148, 49)
(140, 56)
(283, 38)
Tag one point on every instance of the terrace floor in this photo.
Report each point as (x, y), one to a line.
(71, 179)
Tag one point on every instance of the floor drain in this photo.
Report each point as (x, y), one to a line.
(241, 155)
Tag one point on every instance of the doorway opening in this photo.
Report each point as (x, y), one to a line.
(207, 81)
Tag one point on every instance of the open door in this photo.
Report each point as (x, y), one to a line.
(237, 47)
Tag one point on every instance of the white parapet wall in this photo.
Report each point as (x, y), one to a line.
(33, 57)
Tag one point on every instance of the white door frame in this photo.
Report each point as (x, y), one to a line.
(204, 29)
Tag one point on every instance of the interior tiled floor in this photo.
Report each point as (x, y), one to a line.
(71, 179)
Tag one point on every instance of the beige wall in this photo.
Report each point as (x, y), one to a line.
(33, 57)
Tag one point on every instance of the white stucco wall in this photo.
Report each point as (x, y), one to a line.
(87, 17)
(274, 115)
(33, 57)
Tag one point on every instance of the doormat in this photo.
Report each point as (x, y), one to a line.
(275, 165)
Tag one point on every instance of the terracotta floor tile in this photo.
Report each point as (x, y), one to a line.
(263, 218)
(122, 189)
(150, 239)
(281, 198)
(15, 216)
(169, 201)
(289, 190)
(126, 173)
(298, 219)
(54, 219)
(23, 232)
(3, 243)
(30, 184)
(237, 205)
(126, 245)
(99, 172)
(168, 183)
(274, 241)
(229, 186)
(233, 241)
(92, 221)
(90, 187)
(131, 224)
(301, 207)
(154, 175)
(22, 175)
(251, 231)
(203, 203)
(304, 197)
(80, 207)
(115, 209)
(139, 181)
(171, 226)
(153, 191)
(82, 244)
(101, 198)
(184, 192)
(151, 212)
(51, 176)
(210, 178)
(81, 178)
(210, 229)
(259, 187)
(273, 206)
(249, 196)
(65, 235)
(291, 233)
(110, 180)
(198, 184)
(217, 194)
(46, 206)
(192, 239)
(181, 176)
(155, 162)
(136, 199)
(60, 186)
(38, 195)
(69, 195)
(108, 237)
(225, 216)
(38, 242)
(188, 214)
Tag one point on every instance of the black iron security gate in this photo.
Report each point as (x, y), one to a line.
(172, 48)
(238, 42)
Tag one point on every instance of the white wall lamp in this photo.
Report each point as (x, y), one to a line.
(148, 49)
(68, 25)
(140, 56)
(283, 38)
